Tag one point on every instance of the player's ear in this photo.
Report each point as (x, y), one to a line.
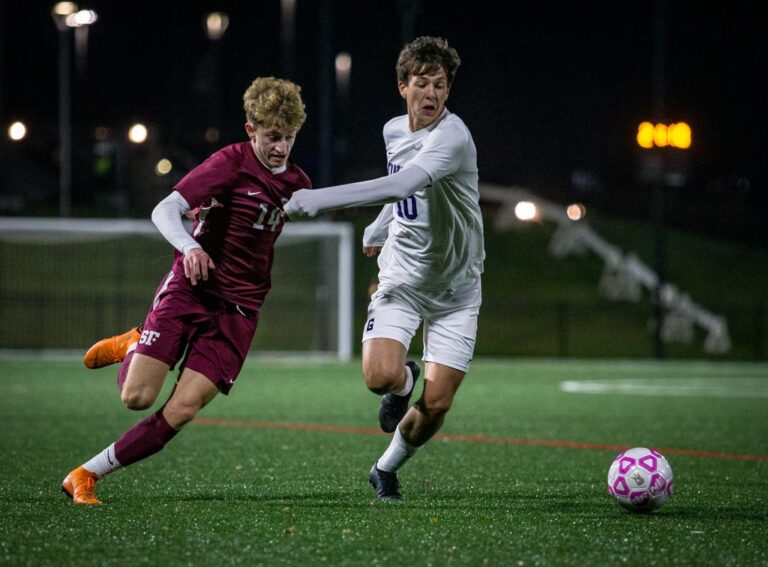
(249, 130)
(401, 87)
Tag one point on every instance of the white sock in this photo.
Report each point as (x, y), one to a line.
(398, 452)
(103, 463)
(406, 389)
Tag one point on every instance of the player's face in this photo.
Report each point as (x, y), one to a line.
(271, 145)
(425, 96)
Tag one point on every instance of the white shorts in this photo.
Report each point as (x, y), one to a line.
(450, 321)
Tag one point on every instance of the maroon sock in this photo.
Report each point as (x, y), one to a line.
(144, 439)
(122, 373)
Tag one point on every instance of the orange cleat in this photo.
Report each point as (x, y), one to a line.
(111, 350)
(79, 486)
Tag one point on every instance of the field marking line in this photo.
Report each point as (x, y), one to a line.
(256, 424)
(686, 387)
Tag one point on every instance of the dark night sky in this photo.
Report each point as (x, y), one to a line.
(546, 88)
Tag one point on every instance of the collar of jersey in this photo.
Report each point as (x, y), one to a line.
(432, 126)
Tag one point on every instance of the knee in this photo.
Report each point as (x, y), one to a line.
(136, 399)
(434, 409)
(381, 378)
(179, 414)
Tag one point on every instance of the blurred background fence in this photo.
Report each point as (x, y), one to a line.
(66, 283)
(66, 288)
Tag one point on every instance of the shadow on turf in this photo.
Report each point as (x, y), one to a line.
(672, 510)
(585, 508)
(429, 497)
(309, 500)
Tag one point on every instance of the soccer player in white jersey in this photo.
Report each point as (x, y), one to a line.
(430, 240)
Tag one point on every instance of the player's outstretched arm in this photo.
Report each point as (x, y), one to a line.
(387, 189)
(167, 218)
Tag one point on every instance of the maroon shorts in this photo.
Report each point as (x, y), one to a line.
(212, 335)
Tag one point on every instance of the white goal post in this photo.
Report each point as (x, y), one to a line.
(18, 234)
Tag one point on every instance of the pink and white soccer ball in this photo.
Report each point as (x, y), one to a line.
(640, 479)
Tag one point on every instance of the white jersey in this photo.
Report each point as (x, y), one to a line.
(435, 239)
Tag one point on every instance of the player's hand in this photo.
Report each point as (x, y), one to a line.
(298, 206)
(371, 250)
(197, 263)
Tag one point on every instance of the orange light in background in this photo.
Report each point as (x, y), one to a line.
(660, 135)
(676, 135)
(680, 135)
(645, 135)
(576, 211)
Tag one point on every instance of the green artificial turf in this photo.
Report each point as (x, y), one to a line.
(276, 473)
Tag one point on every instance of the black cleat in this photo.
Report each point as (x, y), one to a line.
(385, 483)
(393, 407)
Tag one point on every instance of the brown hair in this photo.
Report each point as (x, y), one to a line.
(274, 103)
(426, 55)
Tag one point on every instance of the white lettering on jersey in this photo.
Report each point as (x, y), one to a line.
(272, 218)
(149, 337)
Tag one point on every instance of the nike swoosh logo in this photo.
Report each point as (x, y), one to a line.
(252, 193)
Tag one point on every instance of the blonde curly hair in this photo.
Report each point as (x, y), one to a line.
(274, 103)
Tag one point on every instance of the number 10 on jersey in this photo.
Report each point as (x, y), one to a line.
(407, 208)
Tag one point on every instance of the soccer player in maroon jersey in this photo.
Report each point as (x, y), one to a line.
(205, 311)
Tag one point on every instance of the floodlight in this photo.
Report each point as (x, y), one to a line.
(526, 211)
(138, 133)
(17, 131)
(163, 167)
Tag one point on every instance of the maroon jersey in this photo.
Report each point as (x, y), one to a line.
(237, 203)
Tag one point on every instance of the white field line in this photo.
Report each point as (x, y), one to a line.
(690, 387)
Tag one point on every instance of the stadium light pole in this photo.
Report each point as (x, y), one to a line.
(66, 17)
(343, 64)
(216, 24)
(288, 37)
(659, 196)
(409, 10)
(59, 14)
(325, 68)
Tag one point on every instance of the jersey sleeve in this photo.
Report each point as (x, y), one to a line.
(443, 151)
(376, 233)
(209, 179)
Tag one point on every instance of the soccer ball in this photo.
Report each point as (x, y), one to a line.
(640, 479)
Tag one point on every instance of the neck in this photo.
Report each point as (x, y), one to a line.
(413, 121)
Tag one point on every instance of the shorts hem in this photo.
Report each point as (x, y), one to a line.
(382, 336)
(456, 365)
(221, 385)
(170, 362)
